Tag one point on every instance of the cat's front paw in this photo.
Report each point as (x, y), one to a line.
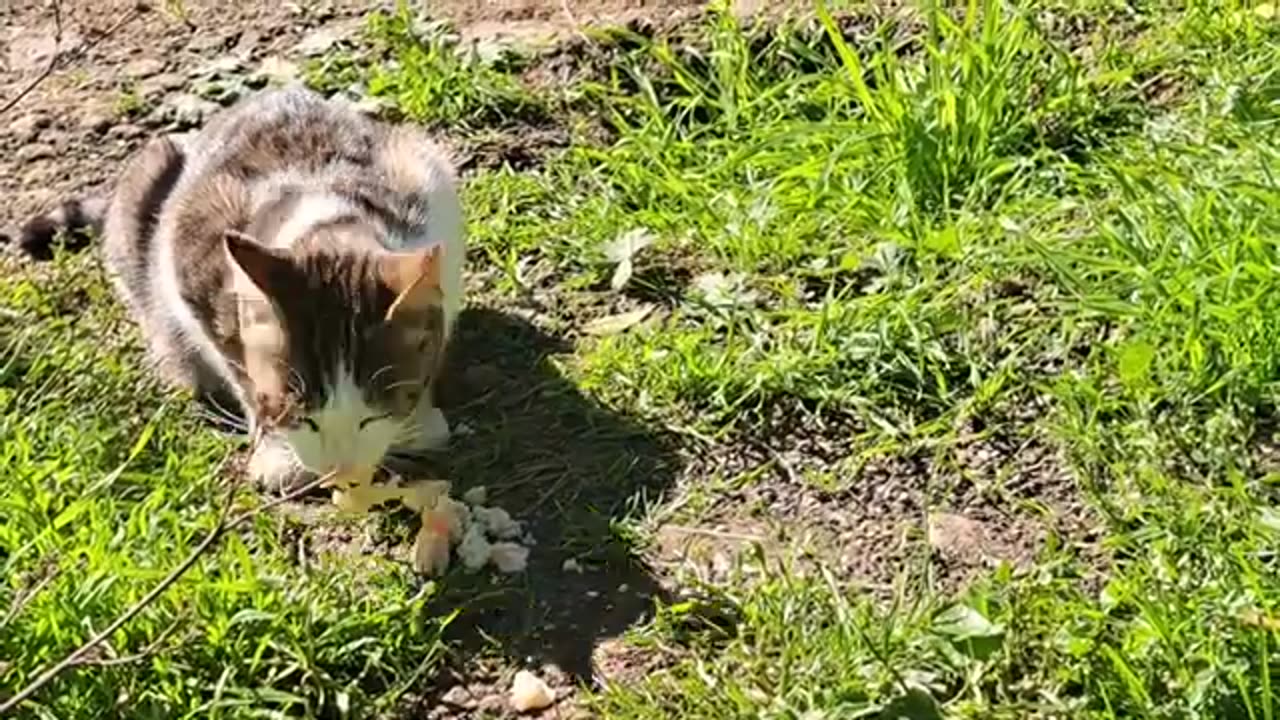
(273, 468)
(432, 435)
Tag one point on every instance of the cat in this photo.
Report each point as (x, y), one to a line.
(294, 264)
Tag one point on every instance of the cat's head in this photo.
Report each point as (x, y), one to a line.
(339, 346)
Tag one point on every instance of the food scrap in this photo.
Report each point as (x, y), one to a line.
(483, 535)
(530, 692)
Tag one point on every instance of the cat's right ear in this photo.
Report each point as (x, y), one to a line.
(266, 268)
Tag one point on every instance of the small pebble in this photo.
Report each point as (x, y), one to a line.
(529, 693)
(571, 565)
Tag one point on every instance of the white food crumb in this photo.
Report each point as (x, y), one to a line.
(530, 692)
(509, 557)
(496, 522)
(474, 550)
(447, 522)
(459, 515)
(571, 565)
(476, 495)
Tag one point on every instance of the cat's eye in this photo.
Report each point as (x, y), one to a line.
(366, 422)
(311, 424)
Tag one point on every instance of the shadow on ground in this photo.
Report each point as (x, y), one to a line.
(569, 469)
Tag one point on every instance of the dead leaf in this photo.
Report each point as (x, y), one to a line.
(622, 249)
(723, 290)
(614, 324)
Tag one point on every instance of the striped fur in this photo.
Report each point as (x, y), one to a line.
(294, 264)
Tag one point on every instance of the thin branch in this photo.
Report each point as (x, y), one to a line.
(50, 67)
(134, 657)
(77, 656)
(24, 597)
(59, 59)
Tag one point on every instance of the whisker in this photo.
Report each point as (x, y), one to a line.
(212, 411)
(237, 365)
(402, 383)
(378, 373)
(216, 409)
(211, 415)
(296, 377)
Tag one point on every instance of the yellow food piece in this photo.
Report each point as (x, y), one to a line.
(362, 498)
(431, 548)
(421, 495)
(443, 521)
(352, 478)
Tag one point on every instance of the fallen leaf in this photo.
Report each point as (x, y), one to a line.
(621, 250)
(614, 324)
(723, 290)
(626, 245)
(961, 622)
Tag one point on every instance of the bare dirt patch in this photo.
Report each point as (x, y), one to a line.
(117, 61)
(531, 19)
(947, 514)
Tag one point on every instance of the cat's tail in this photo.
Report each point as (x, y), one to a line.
(73, 224)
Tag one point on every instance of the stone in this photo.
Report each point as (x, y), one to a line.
(144, 68)
(530, 693)
(27, 128)
(126, 131)
(458, 696)
(35, 151)
(221, 92)
(33, 48)
(163, 84)
(207, 42)
(247, 44)
(96, 118)
(318, 42)
(219, 67)
(276, 70)
(188, 110)
(483, 376)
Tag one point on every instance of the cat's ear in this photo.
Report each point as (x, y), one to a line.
(415, 279)
(266, 268)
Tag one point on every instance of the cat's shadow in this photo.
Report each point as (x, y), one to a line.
(566, 466)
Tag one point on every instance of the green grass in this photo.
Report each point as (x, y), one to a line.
(908, 222)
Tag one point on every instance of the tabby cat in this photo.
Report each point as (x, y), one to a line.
(296, 265)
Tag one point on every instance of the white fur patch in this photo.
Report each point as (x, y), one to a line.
(341, 442)
(312, 210)
(190, 334)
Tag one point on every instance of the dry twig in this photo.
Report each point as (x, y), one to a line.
(25, 596)
(58, 58)
(150, 649)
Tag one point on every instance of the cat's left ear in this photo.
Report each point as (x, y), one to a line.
(415, 279)
(265, 267)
